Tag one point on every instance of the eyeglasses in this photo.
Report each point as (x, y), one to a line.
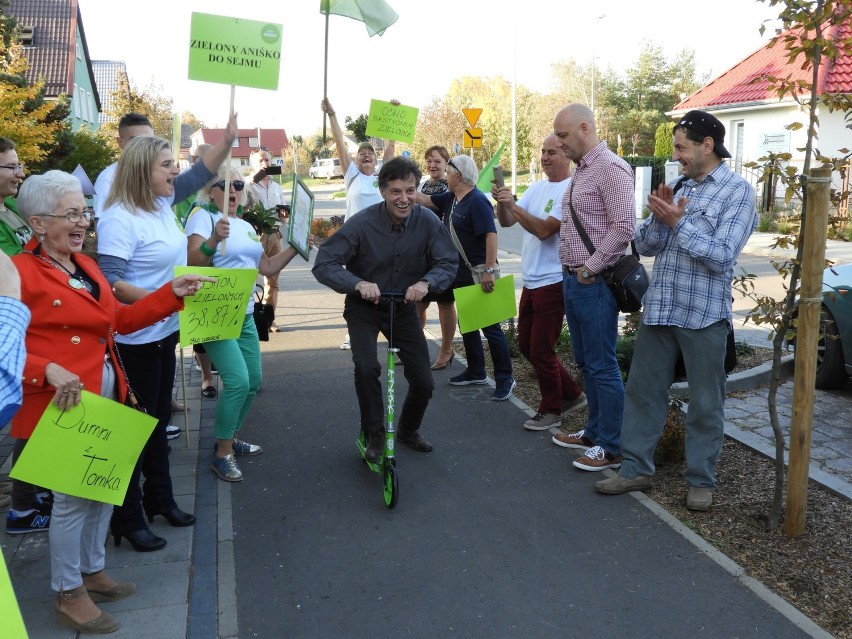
(238, 185)
(73, 216)
(14, 168)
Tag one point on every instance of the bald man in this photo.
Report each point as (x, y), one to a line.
(600, 199)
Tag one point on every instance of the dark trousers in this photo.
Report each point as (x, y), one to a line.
(151, 372)
(540, 316)
(365, 321)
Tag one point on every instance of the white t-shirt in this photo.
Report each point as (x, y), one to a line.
(102, 186)
(540, 265)
(243, 245)
(153, 244)
(361, 190)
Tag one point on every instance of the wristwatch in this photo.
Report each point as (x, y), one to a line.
(488, 269)
(427, 285)
(586, 275)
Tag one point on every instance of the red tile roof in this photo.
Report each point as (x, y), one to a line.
(273, 139)
(734, 86)
(52, 53)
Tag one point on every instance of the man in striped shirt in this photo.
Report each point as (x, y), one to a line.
(601, 198)
(695, 237)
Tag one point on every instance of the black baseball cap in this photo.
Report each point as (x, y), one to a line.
(706, 126)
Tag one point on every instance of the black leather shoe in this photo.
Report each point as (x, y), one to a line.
(375, 447)
(142, 540)
(175, 516)
(415, 441)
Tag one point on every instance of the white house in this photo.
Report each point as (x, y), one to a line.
(756, 120)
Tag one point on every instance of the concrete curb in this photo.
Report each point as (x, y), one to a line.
(746, 380)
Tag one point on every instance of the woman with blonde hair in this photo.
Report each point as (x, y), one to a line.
(140, 241)
(237, 360)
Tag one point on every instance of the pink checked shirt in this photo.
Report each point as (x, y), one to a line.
(602, 195)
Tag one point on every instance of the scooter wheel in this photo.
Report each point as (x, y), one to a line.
(390, 485)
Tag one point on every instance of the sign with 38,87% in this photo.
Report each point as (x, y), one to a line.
(218, 310)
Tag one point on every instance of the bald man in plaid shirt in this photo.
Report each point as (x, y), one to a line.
(601, 194)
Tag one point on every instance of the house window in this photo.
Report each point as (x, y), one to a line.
(254, 143)
(79, 52)
(739, 130)
(235, 143)
(75, 102)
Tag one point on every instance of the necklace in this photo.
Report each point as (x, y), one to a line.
(75, 281)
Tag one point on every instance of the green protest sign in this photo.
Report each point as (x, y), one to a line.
(391, 121)
(88, 451)
(216, 311)
(13, 623)
(478, 309)
(234, 51)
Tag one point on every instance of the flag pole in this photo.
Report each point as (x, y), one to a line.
(227, 193)
(325, 80)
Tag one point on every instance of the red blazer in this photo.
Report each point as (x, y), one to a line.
(71, 328)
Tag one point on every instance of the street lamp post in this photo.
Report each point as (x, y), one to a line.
(594, 34)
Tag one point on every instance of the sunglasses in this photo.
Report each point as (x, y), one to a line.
(238, 185)
(450, 163)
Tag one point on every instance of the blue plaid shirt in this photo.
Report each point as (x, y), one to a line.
(694, 261)
(14, 319)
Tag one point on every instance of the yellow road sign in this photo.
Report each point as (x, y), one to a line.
(472, 115)
(472, 138)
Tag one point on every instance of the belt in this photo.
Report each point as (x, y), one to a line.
(571, 269)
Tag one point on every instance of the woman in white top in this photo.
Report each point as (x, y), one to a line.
(360, 177)
(140, 241)
(237, 360)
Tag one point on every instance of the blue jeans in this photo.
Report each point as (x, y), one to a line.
(647, 399)
(592, 317)
(500, 355)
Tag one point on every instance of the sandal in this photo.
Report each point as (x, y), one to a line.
(210, 392)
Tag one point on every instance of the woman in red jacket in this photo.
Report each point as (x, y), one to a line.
(70, 347)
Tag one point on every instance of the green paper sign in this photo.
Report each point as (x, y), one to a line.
(216, 311)
(234, 51)
(10, 613)
(478, 309)
(88, 451)
(391, 121)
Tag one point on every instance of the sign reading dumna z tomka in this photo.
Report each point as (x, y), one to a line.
(234, 51)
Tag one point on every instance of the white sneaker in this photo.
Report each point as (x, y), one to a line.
(172, 432)
(345, 345)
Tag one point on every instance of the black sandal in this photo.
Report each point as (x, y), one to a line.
(210, 392)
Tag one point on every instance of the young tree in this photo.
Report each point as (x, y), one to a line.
(25, 116)
(808, 44)
(148, 101)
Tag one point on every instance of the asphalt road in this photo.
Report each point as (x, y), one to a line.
(495, 534)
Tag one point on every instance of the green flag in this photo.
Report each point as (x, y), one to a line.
(483, 183)
(376, 14)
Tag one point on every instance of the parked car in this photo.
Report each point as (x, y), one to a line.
(834, 349)
(326, 168)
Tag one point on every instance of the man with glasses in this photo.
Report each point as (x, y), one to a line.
(14, 232)
(267, 193)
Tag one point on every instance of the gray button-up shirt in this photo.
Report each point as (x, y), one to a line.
(370, 247)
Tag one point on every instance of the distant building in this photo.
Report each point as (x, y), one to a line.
(56, 49)
(756, 120)
(273, 140)
(106, 74)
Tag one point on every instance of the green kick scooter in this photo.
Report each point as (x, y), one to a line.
(386, 466)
